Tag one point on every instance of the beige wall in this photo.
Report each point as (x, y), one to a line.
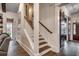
(26, 32)
(24, 24)
(49, 16)
(13, 16)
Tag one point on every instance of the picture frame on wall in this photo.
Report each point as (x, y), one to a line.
(29, 13)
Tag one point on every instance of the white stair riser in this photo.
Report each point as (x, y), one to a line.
(42, 41)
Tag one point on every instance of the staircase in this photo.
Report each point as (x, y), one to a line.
(44, 48)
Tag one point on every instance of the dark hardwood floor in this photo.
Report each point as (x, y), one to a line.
(70, 48)
(16, 50)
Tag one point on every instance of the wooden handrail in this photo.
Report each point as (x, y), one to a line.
(45, 27)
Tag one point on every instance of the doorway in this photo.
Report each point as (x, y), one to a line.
(65, 28)
(9, 27)
(76, 31)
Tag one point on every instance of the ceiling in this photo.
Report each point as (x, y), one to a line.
(46, 4)
(72, 8)
(12, 7)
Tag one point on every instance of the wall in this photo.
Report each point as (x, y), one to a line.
(25, 33)
(49, 16)
(24, 24)
(46, 15)
(12, 16)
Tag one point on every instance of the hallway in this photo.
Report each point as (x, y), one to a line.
(40, 28)
(71, 48)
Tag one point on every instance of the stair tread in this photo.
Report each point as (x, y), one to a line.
(40, 35)
(50, 53)
(45, 51)
(41, 38)
(42, 43)
(44, 48)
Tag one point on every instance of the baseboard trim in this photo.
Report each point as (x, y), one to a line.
(29, 51)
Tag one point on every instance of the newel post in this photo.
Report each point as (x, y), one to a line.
(36, 28)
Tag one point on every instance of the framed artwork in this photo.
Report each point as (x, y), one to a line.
(29, 13)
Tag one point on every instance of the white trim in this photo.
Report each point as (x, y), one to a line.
(29, 51)
(36, 28)
(29, 39)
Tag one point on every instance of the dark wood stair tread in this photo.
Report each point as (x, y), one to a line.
(41, 38)
(42, 43)
(40, 35)
(44, 48)
(50, 53)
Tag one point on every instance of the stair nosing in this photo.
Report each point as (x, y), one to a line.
(45, 51)
(43, 45)
(50, 53)
(44, 48)
(41, 38)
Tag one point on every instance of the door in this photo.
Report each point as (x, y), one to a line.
(76, 31)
